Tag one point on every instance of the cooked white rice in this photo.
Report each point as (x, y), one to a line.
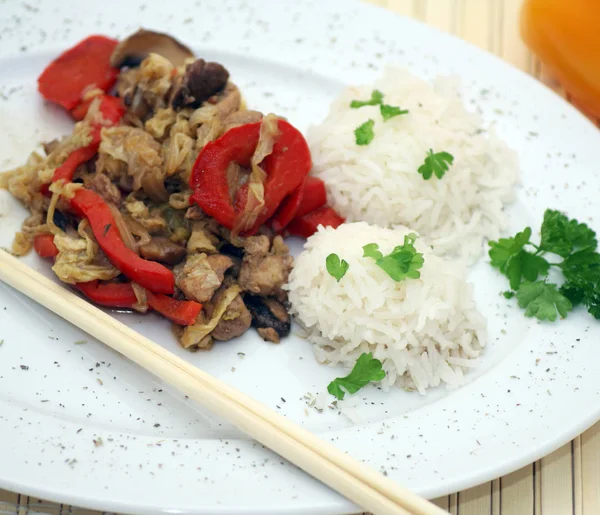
(425, 331)
(379, 183)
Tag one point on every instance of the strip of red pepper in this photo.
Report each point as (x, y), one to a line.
(308, 197)
(149, 274)
(286, 167)
(307, 225)
(80, 68)
(122, 295)
(44, 245)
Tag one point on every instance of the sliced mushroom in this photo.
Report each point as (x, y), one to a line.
(268, 313)
(135, 48)
(201, 81)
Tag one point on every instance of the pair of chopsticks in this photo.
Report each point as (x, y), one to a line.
(356, 481)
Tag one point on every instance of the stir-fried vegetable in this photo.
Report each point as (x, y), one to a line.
(149, 274)
(81, 68)
(285, 167)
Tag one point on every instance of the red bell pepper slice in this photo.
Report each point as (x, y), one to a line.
(44, 245)
(182, 312)
(82, 67)
(122, 295)
(113, 295)
(307, 225)
(149, 274)
(286, 167)
(288, 209)
(315, 196)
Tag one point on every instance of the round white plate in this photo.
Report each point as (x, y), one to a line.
(81, 425)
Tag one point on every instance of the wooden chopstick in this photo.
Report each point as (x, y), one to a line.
(359, 483)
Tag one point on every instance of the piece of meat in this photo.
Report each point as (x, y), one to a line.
(268, 334)
(104, 187)
(256, 245)
(268, 316)
(163, 250)
(202, 275)
(235, 321)
(201, 81)
(264, 274)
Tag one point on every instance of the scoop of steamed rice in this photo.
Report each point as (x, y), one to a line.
(425, 331)
(379, 182)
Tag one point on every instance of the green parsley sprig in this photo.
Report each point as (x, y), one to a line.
(366, 369)
(436, 163)
(376, 99)
(336, 267)
(364, 133)
(527, 270)
(402, 263)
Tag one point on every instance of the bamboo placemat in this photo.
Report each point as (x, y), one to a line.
(564, 482)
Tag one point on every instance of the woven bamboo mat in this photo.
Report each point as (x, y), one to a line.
(564, 482)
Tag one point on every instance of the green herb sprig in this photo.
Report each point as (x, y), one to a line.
(527, 269)
(365, 370)
(436, 163)
(402, 263)
(336, 267)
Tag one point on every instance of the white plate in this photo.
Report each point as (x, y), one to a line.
(537, 385)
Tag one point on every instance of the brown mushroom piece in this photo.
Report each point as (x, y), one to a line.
(269, 316)
(135, 48)
(200, 82)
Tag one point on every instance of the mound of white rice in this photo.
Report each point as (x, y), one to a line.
(425, 331)
(379, 183)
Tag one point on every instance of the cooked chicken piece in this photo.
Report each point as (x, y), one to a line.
(268, 316)
(268, 334)
(103, 186)
(279, 248)
(235, 321)
(201, 81)
(256, 245)
(163, 250)
(265, 274)
(202, 275)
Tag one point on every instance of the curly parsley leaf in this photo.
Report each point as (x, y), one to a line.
(525, 265)
(436, 163)
(543, 301)
(508, 294)
(376, 99)
(582, 273)
(372, 250)
(402, 263)
(364, 133)
(366, 369)
(388, 111)
(562, 236)
(336, 267)
(504, 249)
